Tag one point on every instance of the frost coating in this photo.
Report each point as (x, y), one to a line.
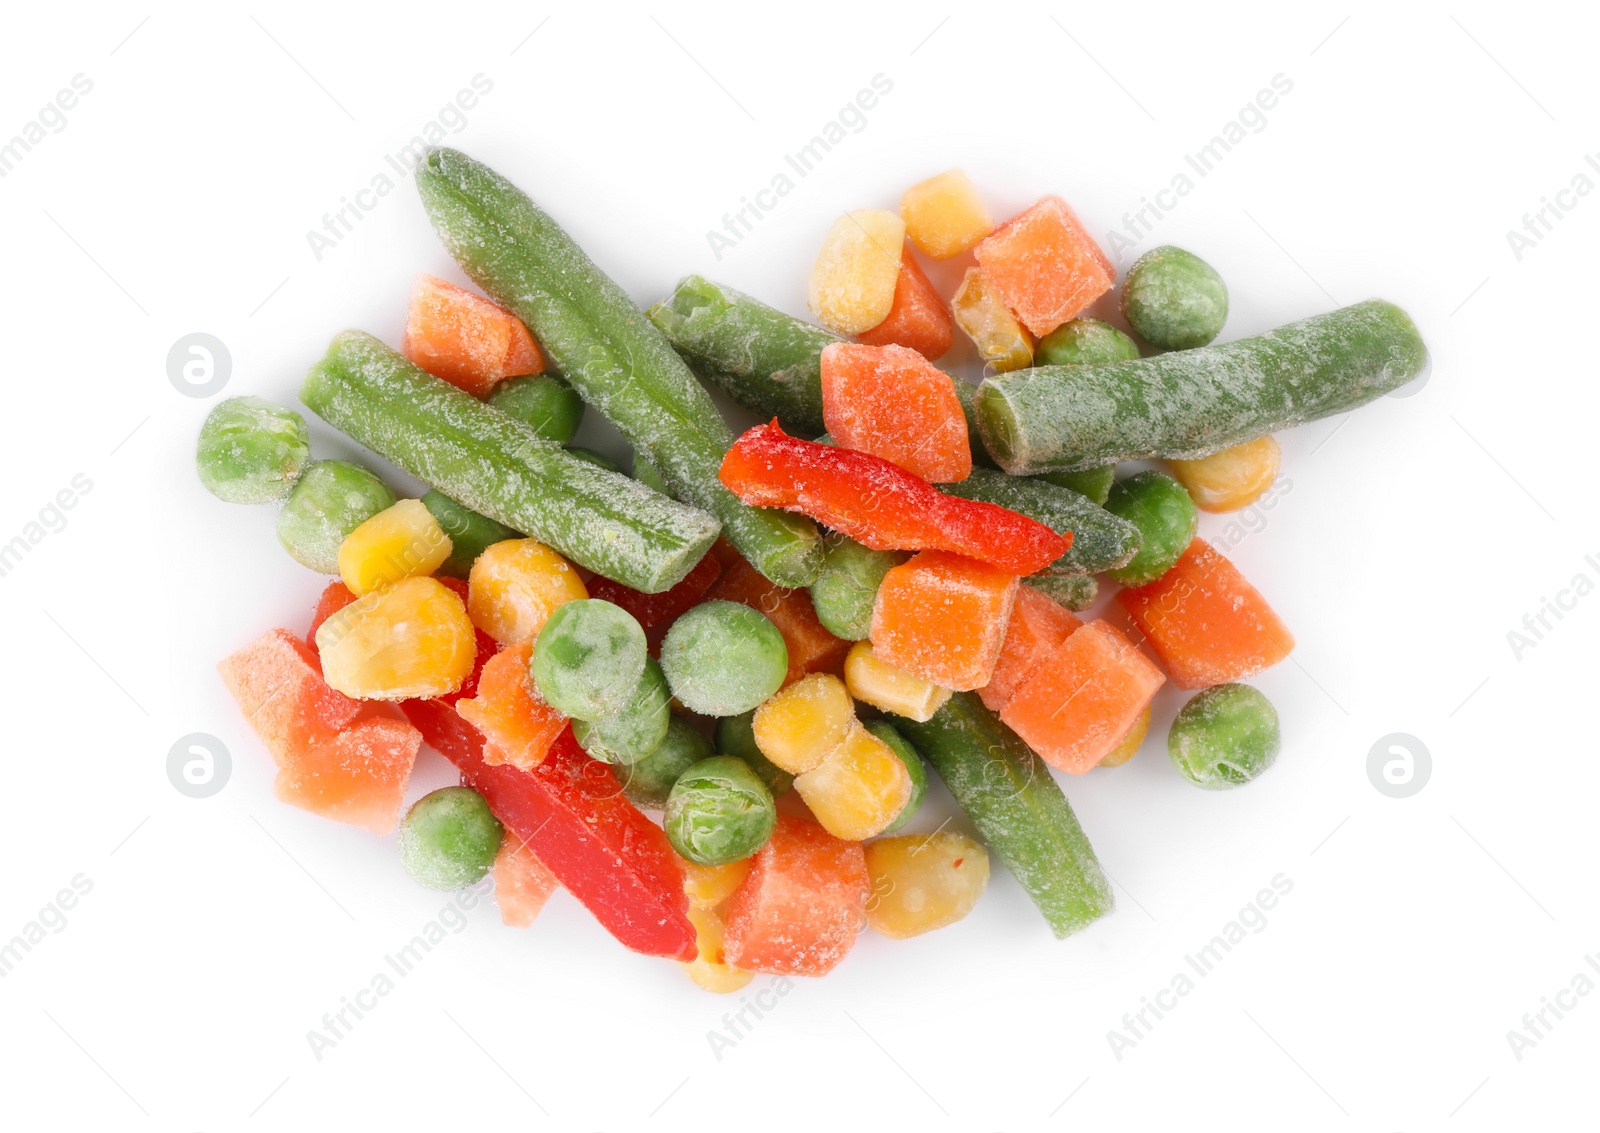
(251, 450)
(1100, 540)
(1195, 402)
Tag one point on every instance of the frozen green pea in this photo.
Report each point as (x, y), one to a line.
(252, 451)
(448, 839)
(469, 532)
(649, 475)
(588, 659)
(722, 658)
(1224, 737)
(847, 585)
(598, 459)
(1095, 483)
(1084, 342)
(1166, 517)
(547, 403)
(635, 731)
(719, 811)
(1173, 299)
(736, 735)
(648, 782)
(331, 499)
(907, 754)
(1074, 591)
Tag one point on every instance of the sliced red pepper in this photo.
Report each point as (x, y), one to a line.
(571, 812)
(657, 612)
(487, 648)
(880, 504)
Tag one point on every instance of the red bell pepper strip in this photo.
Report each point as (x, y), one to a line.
(571, 812)
(657, 612)
(880, 504)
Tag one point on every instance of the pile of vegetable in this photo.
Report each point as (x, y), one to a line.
(768, 638)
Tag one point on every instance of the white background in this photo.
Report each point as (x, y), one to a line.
(219, 931)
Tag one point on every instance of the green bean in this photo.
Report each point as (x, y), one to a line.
(470, 533)
(1101, 540)
(1074, 591)
(1095, 483)
(907, 755)
(546, 403)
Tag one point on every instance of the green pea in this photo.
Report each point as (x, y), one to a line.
(588, 659)
(1084, 342)
(1173, 299)
(847, 585)
(736, 735)
(1224, 737)
(907, 754)
(1074, 591)
(1166, 517)
(649, 475)
(547, 403)
(470, 533)
(331, 499)
(719, 811)
(448, 839)
(1094, 483)
(722, 658)
(648, 782)
(635, 731)
(598, 459)
(252, 451)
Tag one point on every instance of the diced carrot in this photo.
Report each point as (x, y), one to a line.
(943, 617)
(812, 649)
(1084, 698)
(1208, 625)
(465, 339)
(1046, 267)
(798, 910)
(894, 403)
(517, 724)
(522, 883)
(1038, 626)
(918, 318)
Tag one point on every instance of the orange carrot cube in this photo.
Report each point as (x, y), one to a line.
(1037, 628)
(465, 339)
(812, 649)
(918, 318)
(522, 884)
(943, 617)
(798, 910)
(1207, 624)
(1084, 698)
(1046, 267)
(894, 403)
(517, 725)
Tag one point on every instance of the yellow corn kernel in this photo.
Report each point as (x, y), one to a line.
(921, 882)
(983, 316)
(859, 789)
(708, 969)
(401, 541)
(888, 689)
(852, 282)
(1129, 747)
(412, 639)
(710, 885)
(514, 587)
(1233, 478)
(944, 215)
(801, 726)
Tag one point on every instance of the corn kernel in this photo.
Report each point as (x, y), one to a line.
(412, 639)
(710, 885)
(1233, 478)
(514, 587)
(979, 311)
(921, 882)
(803, 724)
(858, 790)
(401, 541)
(880, 684)
(708, 969)
(1129, 747)
(853, 280)
(944, 215)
